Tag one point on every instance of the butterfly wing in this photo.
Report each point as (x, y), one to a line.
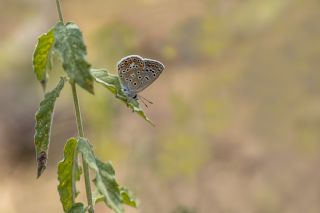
(129, 70)
(151, 72)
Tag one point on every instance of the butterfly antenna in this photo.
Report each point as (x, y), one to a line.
(144, 103)
(150, 102)
(143, 98)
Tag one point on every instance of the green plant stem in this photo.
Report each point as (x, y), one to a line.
(81, 134)
(59, 11)
(77, 109)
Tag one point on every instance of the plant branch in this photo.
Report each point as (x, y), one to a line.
(81, 134)
(59, 11)
(77, 109)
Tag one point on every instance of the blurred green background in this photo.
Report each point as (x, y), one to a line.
(237, 109)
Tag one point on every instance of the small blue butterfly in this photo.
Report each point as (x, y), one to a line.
(137, 73)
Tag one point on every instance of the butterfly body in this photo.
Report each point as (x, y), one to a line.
(137, 73)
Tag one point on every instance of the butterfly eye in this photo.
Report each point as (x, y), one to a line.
(139, 77)
(135, 83)
(130, 80)
(126, 79)
(138, 72)
(123, 71)
(121, 76)
(146, 78)
(154, 75)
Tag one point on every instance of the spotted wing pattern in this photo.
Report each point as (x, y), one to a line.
(128, 69)
(136, 73)
(152, 71)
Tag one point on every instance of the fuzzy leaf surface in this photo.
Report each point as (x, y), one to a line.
(44, 117)
(41, 56)
(72, 51)
(107, 188)
(68, 173)
(128, 197)
(111, 194)
(77, 208)
(97, 197)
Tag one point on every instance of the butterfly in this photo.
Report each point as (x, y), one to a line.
(137, 73)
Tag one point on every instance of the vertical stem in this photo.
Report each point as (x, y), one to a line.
(59, 11)
(77, 109)
(81, 134)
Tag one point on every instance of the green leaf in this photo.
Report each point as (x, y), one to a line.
(70, 46)
(112, 83)
(41, 56)
(77, 208)
(107, 187)
(97, 196)
(68, 173)
(128, 197)
(85, 149)
(43, 126)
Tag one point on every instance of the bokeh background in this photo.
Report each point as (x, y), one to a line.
(237, 109)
